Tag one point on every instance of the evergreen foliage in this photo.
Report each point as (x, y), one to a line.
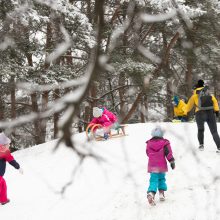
(139, 53)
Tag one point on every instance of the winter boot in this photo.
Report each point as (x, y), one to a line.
(218, 151)
(201, 147)
(161, 195)
(3, 203)
(106, 136)
(150, 198)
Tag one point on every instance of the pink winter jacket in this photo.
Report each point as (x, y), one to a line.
(106, 120)
(159, 151)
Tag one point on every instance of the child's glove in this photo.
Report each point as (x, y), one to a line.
(172, 164)
(21, 171)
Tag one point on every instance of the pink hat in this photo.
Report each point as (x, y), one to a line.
(4, 139)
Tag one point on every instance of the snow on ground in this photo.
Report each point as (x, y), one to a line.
(57, 185)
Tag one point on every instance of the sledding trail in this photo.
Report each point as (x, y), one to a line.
(115, 187)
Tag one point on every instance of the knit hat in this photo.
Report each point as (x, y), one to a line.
(4, 139)
(157, 132)
(200, 83)
(97, 112)
(176, 100)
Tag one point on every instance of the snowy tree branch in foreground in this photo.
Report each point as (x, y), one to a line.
(93, 68)
(70, 102)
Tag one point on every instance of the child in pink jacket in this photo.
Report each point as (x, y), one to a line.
(5, 156)
(105, 118)
(159, 152)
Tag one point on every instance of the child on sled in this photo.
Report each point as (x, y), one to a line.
(106, 119)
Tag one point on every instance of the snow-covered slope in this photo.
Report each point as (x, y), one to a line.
(58, 185)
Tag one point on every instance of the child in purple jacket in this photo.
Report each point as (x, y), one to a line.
(159, 151)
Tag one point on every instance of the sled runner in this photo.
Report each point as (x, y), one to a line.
(93, 131)
(176, 121)
(179, 121)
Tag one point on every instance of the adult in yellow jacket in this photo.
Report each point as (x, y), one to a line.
(204, 114)
(178, 109)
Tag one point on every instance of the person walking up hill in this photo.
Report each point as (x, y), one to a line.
(159, 152)
(207, 109)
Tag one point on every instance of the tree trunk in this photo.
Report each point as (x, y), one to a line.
(48, 43)
(2, 108)
(169, 107)
(146, 107)
(13, 105)
(189, 75)
(45, 98)
(86, 116)
(216, 79)
(13, 101)
(134, 106)
(37, 126)
(69, 60)
(38, 136)
(112, 95)
(93, 92)
(89, 10)
(2, 103)
(122, 95)
(56, 95)
(142, 112)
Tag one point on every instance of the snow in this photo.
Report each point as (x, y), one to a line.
(158, 17)
(148, 54)
(114, 187)
(62, 47)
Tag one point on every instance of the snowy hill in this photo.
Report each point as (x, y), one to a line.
(114, 187)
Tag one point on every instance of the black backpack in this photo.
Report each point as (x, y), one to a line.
(205, 99)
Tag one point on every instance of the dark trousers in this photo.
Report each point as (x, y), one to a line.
(209, 117)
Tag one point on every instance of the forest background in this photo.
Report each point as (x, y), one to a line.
(60, 58)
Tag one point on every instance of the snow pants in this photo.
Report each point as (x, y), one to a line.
(209, 117)
(3, 190)
(157, 181)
